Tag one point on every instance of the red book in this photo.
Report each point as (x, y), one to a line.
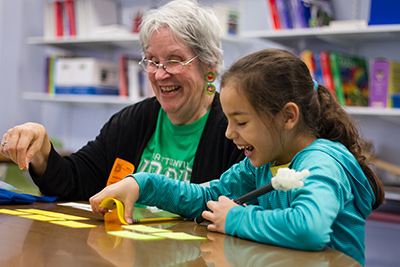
(69, 8)
(326, 71)
(58, 9)
(274, 14)
(123, 78)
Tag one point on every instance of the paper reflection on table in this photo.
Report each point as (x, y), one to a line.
(218, 250)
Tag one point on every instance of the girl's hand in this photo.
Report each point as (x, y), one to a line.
(217, 215)
(127, 191)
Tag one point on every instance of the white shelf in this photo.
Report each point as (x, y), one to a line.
(130, 41)
(85, 99)
(373, 111)
(103, 99)
(348, 35)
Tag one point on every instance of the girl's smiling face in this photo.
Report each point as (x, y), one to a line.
(248, 130)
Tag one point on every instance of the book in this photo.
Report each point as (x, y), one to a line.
(273, 9)
(123, 80)
(307, 56)
(70, 16)
(228, 17)
(326, 74)
(384, 82)
(350, 75)
(318, 69)
(49, 20)
(134, 71)
(59, 18)
(384, 12)
(283, 13)
(299, 13)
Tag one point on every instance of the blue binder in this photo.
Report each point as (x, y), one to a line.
(384, 12)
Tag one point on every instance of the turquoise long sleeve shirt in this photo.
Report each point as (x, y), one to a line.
(329, 210)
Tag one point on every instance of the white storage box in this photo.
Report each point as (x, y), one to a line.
(86, 76)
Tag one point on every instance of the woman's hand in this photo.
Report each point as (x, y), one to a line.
(27, 143)
(127, 191)
(217, 215)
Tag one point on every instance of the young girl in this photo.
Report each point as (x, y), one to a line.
(280, 117)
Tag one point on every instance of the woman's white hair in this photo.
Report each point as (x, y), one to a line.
(198, 26)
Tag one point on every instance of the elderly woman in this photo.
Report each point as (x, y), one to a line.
(180, 132)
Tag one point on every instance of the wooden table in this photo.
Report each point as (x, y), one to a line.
(27, 242)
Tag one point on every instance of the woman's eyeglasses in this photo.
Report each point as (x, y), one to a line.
(170, 66)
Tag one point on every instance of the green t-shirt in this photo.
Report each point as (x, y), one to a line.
(171, 149)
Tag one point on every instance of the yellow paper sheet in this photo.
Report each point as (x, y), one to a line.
(73, 224)
(12, 212)
(112, 203)
(180, 236)
(54, 214)
(39, 217)
(132, 235)
(145, 229)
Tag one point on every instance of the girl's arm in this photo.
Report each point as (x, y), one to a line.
(300, 218)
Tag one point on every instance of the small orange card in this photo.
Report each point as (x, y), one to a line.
(120, 169)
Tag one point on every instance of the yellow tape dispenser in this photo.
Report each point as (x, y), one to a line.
(112, 203)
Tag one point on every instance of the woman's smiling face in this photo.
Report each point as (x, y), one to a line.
(181, 95)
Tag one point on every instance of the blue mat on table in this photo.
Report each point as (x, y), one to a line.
(9, 197)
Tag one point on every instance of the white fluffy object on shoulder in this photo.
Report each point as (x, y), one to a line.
(287, 179)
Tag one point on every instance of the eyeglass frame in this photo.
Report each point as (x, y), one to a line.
(141, 63)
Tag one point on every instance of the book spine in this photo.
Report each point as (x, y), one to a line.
(394, 82)
(123, 80)
(318, 69)
(70, 12)
(359, 80)
(307, 56)
(284, 16)
(379, 83)
(47, 75)
(58, 10)
(133, 73)
(336, 77)
(274, 14)
(297, 14)
(326, 71)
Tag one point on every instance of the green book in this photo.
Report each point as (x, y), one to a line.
(350, 75)
(337, 81)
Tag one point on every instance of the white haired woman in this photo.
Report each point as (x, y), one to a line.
(180, 132)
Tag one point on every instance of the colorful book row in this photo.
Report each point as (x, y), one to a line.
(295, 14)
(356, 81)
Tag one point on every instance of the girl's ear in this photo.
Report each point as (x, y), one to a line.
(291, 115)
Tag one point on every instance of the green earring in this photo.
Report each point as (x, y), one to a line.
(210, 88)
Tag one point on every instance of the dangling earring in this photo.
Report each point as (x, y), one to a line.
(210, 88)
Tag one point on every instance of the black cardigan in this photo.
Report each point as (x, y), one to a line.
(125, 135)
